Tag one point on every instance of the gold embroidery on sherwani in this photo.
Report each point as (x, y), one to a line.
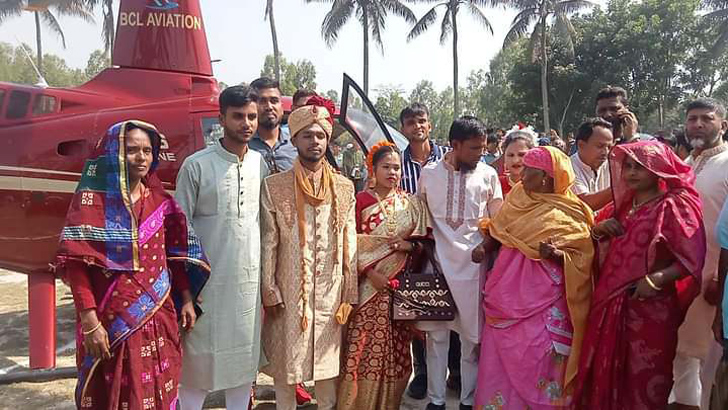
(296, 355)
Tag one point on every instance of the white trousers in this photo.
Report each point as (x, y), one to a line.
(325, 394)
(237, 398)
(693, 378)
(438, 343)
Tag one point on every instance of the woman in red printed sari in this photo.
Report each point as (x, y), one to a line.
(377, 360)
(129, 257)
(648, 278)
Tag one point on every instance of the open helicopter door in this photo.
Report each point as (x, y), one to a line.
(361, 129)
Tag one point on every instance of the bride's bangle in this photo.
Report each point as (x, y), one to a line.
(652, 283)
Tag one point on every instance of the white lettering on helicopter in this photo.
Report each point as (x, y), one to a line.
(166, 156)
(156, 19)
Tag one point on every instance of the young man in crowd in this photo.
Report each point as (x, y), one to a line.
(273, 140)
(613, 106)
(415, 125)
(309, 274)
(492, 149)
(219, 189)
(300, 98)
(460, 190)
(592, 184)
(698, 353)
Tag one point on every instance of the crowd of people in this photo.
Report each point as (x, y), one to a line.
(589, 281)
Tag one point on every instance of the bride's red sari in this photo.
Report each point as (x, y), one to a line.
(630, 344)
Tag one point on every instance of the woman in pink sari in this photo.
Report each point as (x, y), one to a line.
(536, 297)
(649, 277)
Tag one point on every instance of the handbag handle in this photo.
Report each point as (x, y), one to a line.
(428, 247)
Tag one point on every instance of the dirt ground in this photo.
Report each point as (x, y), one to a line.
(59, 394)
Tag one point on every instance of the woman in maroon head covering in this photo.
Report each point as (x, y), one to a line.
(650, 275)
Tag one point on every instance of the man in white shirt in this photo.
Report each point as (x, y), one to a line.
(459, 191)
(592, 184)
(698, 353)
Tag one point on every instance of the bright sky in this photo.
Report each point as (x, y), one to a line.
(239, 36)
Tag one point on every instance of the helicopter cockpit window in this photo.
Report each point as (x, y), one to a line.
(17, 105)
(211, 130)
(44, 104)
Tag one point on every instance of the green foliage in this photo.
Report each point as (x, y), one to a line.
(390, 102)
(301, 74)
(16, 68)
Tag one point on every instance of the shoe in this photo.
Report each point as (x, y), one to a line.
(418, 387)
(466, 406)
(435, 407)
(302, 396)
(453, 383)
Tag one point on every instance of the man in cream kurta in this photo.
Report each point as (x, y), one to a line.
(698, 353)
(307, 280)
(219, 192)
(458, 199)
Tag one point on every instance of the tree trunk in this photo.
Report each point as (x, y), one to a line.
(112, 34)
(274, 35)
(456, 91)
(365, 20)
(38, 44)
(544, 72)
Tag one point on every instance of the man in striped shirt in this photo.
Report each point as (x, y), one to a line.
(415, 126)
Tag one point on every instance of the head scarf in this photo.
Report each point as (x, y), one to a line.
(318, 110)
(565, 219)
(101, 228)
(539, 158)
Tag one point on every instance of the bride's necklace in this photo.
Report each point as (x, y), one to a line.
(389, 215)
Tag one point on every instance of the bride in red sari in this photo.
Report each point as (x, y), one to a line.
(377, 360)
(650, 275)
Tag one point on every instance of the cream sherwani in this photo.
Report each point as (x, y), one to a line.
(220, 196)
(296, 354)
(697, 352)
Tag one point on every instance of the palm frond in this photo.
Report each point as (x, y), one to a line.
(398, 9)
(717, 15)
(571, 6)
(446, 26)
(520, 26)
(53, 24)
(73, 8)
(721, 42)
(423, 24)
(10, 8)
(479, 16)
(335, 20)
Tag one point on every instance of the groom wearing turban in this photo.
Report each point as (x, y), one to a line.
(309, 278)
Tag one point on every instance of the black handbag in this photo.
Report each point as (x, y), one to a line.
(423, 296)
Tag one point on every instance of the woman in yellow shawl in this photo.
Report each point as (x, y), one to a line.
(536, 297)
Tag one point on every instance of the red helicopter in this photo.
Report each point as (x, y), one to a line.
(161, 73)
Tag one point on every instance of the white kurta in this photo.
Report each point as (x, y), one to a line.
(457, 202)
(221, 197)
(711, 170)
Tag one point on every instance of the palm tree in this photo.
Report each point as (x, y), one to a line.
(449, 25)
(539, 12)
(372, 14)
(276, 52)
(47, 12)
(108, 30)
